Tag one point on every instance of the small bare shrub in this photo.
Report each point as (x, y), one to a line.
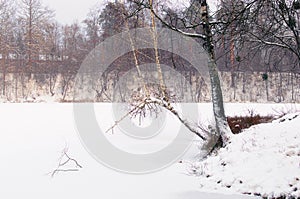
(238, 123)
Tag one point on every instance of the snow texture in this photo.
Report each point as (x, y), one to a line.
(34, 135)
(264, 161)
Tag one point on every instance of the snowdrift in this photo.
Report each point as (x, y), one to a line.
(264, 161)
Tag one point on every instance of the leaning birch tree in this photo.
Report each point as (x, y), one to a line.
(199, 20)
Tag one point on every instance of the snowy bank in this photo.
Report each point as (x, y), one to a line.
(264, 161)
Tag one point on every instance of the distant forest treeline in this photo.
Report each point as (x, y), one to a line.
(32, 42)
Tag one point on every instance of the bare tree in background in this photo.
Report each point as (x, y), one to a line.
(74, 50)
(7, 18)
(267, 34)
(35, 17)
(52, 49)
(275, 24)
(262, 26)
(93, 28)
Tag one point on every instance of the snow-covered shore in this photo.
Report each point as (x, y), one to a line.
(264, 160)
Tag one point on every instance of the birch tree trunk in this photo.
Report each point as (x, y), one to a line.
(222, 126)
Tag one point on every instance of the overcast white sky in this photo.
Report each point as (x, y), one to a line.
(68, 11)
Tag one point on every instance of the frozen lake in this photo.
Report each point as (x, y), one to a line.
(33, 136)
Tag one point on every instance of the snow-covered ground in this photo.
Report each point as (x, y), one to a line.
(263, 160)
(32, 137)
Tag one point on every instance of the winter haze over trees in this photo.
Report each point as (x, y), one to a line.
(33, 41)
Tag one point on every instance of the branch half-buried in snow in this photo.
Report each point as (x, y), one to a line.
(63, 161)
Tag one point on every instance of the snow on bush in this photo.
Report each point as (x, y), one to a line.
(264, 160)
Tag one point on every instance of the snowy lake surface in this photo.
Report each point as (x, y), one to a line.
(32, 137)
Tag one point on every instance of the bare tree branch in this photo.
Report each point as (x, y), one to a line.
(148, 102)
(63, 161)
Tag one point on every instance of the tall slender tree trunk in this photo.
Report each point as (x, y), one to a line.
(292, 83)
(4, 74)
(16, 86)
(30, 35)
(267, 89)
(222, 126)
